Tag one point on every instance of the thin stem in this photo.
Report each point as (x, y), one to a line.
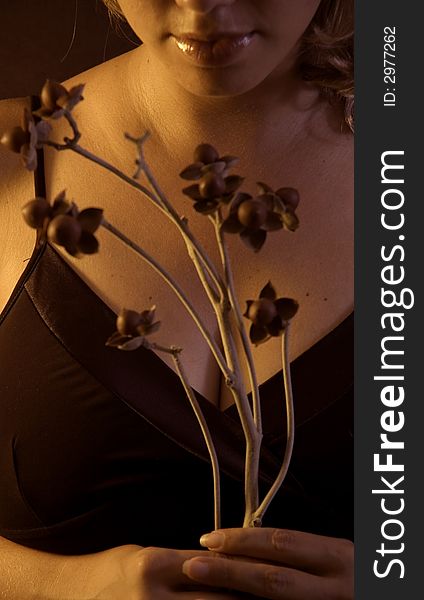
(207, 436)
(252, 429)
(259, 513)
(172, 216)
(180, 294)
(109, 167)
(77, 134)
(252, 437)
(229, 279)
(174, 351)
(215, 288)
(199, 253)
(210, 289)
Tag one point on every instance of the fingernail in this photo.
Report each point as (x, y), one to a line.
(195, 568)
(212, 540)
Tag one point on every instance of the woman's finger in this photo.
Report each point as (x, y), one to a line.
(306, 551)
(262, 580)
(164, 565)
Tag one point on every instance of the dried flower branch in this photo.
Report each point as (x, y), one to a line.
(63, 224)
(215, 186)
(213, 346)
(26, 139)
(132, 329)
(206, 270)
(269, 315)
(260, 511)
(56, 100)
(215, 193)
(254, 217)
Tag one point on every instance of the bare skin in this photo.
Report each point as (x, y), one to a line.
(129, 572)
(302, 265)
(284, 134)
(287, 564)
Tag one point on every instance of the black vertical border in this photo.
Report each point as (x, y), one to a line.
(379, 129)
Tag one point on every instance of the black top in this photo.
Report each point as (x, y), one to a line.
(100, 448)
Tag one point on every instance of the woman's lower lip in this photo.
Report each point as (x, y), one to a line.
(218, 52)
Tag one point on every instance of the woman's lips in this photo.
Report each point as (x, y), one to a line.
(217, 52)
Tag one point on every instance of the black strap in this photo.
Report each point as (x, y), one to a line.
(39, 177)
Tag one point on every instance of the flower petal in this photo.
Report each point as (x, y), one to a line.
(57, 114)
(286, 308)
(215, 167)
(290, 197)
(290, 220)
(273, 222)
(117, 339)
(153, 328)
(276, 327)
(258, 334)
(248, 305)
(147, 316)
(267, 200)
(74, 96)
(29, 157)
(90, 219)
(232, 183)
(230, 161)
(206, 207)
(193, 192)
(268, 291)
(60, 205)
(44, 130)
(254, 239)
(232, 224)
(263, 188)
(193, 171)
(132, 344)
(88, 243)
(73, 251)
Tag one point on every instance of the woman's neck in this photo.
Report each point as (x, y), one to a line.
(176, 117)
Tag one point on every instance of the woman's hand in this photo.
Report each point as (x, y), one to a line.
(136, 573)
(276, 564)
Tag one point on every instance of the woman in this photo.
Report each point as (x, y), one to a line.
(234, 74)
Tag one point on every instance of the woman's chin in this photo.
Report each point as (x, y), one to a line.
(218, 82)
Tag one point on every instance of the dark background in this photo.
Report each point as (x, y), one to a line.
(35, 41)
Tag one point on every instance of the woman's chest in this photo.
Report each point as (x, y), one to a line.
(312, 265)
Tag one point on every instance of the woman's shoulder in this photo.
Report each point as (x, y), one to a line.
(16, 188)
(17, 183)
(102, 78)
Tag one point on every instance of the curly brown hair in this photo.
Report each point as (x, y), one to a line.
(326, 53)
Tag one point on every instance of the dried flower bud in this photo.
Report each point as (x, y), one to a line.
(127, 322)
(290, 197)
(205, 153)
(56, 99)
(290, 220)
(35, 212)
(87, 244)
(211, 185)
(262, 311)
(15, 138)
(252, 213)
(64, 230)
(51, 93)
(269, 314)
(132, 329)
